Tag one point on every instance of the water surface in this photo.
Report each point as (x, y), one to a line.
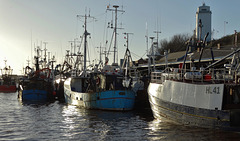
(59, 121)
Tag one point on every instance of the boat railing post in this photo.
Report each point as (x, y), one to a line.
(156, 77)
(224, 74)
(212, 77)
(236, 76)
(159, 78)
(181, 75)
(192, 72)
(152, 78)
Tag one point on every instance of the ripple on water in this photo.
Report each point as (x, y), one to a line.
(59, 121)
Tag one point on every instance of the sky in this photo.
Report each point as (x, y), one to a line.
(25, 24)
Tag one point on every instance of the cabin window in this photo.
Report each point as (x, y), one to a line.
(73, 88)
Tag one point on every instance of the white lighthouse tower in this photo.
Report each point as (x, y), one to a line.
(203, 22)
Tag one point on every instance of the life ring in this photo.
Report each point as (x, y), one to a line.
(98, 81)
(42, 76)
(28, 70)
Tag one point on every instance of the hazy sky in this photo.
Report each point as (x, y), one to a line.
(25, 23)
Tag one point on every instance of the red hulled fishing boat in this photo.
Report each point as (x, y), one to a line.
(7, 82)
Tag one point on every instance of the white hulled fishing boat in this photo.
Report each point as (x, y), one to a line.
(207, 97)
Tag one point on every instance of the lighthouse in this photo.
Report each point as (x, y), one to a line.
(203, 22)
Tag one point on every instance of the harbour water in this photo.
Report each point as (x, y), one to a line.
(59, 121)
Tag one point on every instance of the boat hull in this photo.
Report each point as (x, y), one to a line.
(118, 100)
(189, 113)
(36, 91)
(34, 95)
(8, 88)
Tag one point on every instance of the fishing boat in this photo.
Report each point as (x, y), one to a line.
(205, 97)
(103, 91)
(7, 82)
(99, 89)
(61, 73)
(133, 77)
(37, 85)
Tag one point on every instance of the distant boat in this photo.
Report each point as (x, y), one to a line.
(7, 82)
(208, 97)
(37, 86)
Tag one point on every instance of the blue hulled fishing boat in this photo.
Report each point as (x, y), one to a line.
(37, 85)
(98, 88)
(99, 91)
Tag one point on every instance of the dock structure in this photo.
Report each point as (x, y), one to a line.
(176, 58)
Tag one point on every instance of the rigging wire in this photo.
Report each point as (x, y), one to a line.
(110, 45)
(135, 54)
(88, 51)
(144, 54)
(80, 43)
(104, 31)
(99, 15)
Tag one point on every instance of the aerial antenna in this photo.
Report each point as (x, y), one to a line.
(89, 13)
(203, 3)
(31, 45)
(146, 36)
(157, 32)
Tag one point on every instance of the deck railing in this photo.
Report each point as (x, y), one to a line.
(211, 75)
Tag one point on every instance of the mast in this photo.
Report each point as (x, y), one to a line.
(37, 61)
(153, 54)
(127, 56)
(148, 55)
(101, 52)
(45, 54)
(115, 31)
(85, 42)
(157, 32)
(127, 37)
(85, 45)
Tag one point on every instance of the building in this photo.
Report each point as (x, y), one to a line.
(203, 22)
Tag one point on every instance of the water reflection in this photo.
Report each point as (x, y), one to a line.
(100, 124)
(163, 129)
(59, 121)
